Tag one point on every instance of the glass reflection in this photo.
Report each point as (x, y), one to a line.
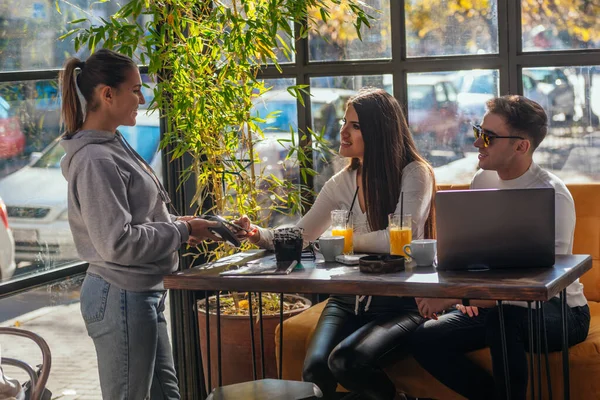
(337, 40)
(448, 27)
(571, 98)
(560, 25)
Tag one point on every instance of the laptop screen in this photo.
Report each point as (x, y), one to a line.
(493, 228)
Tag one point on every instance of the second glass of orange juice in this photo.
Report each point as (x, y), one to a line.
(400, 228)
(342, 225)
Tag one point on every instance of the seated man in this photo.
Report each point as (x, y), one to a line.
(512, 129)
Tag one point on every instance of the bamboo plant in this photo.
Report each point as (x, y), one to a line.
(205, 57)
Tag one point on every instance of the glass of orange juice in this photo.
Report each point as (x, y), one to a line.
(400, 233)
(342, 225)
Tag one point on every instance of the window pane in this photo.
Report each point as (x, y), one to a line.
(31, 183)
(571, 98)
(29, 31)
(279, 109)
(560, 25)
(441, 109)
(337, 40)
(449, 27)
(282, 58)
(328, 105)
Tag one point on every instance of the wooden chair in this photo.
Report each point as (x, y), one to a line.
(36, 387)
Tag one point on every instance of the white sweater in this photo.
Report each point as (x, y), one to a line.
(535, 177)
(337, 194)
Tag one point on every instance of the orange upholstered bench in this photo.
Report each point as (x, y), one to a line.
(410, 378)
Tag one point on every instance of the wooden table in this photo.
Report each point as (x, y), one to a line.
(532, 285)
(535, 284)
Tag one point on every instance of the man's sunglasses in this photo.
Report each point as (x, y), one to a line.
(487, 136)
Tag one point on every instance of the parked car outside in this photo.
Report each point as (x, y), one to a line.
(36, 196)
(12, 139)
(7, 246)
(433, 114)
(476, 87)
(559, 92)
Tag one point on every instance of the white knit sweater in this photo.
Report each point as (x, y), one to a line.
(337, 194)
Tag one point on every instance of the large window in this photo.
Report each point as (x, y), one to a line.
(444, 59)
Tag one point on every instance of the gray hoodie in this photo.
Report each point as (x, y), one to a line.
(117, 212)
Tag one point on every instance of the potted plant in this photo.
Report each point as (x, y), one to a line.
(236, 349)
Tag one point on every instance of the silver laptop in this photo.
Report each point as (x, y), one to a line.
(489, 229)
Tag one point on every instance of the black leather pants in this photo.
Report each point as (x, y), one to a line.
(351, 349)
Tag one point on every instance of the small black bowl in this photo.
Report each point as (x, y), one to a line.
(381, 264)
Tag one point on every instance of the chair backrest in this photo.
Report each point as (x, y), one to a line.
(587, 233)
(38, 384)
(587, 230)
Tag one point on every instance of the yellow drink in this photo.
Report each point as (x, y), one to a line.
(347, 233)
(398, 238)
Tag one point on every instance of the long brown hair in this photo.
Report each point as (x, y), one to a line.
(104, 67)
(388, 148)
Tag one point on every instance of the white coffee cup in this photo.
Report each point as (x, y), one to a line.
(330, 247)
(423, 251)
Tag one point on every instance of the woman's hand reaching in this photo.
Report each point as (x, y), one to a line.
(250, 233)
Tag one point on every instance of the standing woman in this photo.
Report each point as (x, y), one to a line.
(356, 335)
(121, 227)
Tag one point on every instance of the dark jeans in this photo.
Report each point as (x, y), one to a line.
(350, 349)
(440, 347)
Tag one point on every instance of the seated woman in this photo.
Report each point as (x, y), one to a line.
(348, 346)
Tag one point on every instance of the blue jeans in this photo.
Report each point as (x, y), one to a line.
(129, 331)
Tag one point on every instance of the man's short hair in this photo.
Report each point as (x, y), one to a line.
(522, 115)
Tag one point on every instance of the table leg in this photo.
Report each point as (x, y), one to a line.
(565, 349)
(252, 340)
(531, 350)
(219, 367)
(281, 336)
(208, 360)
(504, 351)
(538, 347)
(262, 336)
(196, 336)
(545, 337)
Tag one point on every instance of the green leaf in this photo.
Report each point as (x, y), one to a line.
(77, 21)
(71, 32)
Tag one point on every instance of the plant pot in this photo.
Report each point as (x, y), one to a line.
(236, 345)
